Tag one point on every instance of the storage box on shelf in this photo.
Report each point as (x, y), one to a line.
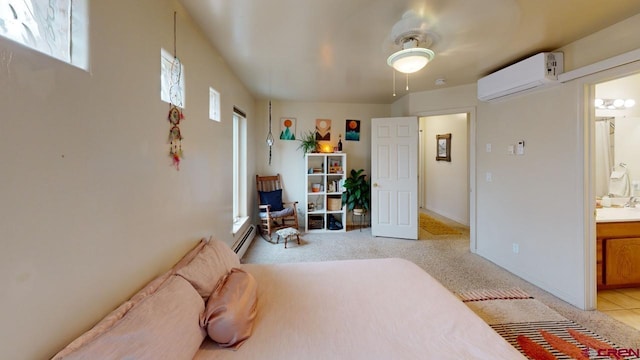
(325, 177)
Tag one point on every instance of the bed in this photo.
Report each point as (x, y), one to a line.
(348, 309)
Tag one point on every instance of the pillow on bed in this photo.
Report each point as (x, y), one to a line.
(210, 264)
(231, 309)
(162, 326)
(273, 198)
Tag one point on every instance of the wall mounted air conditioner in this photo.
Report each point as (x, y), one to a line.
(536, 71)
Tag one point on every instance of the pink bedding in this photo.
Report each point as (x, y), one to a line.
(360, 309)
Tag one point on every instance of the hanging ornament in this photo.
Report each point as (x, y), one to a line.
(175, 136)
(270, 140)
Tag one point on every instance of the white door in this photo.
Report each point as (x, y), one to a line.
(394, 177)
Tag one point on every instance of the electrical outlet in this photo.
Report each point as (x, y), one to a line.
(516, 248)
(488, 148)
(488, 177)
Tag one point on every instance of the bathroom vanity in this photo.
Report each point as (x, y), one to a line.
(618, 247)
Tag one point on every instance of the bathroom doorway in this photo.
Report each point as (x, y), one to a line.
(617, 178)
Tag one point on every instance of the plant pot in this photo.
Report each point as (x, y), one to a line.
(358, 212)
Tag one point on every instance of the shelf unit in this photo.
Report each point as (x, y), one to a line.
(325, 175)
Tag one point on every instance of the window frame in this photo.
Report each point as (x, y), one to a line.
(239, 213)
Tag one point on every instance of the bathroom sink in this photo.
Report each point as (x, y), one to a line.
(618, 214)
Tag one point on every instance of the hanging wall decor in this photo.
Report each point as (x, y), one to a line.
(175, 137)
(270, 139)
(352, 130)
(175, 113)
(323, 129)
(287, 128)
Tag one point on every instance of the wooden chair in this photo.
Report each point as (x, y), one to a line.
(272, 216)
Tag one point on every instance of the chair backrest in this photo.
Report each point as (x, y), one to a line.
(268, 183)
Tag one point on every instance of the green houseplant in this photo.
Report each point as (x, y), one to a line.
(357, 192)
(308, 142)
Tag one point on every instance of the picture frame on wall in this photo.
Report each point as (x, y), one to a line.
(323, 129)
(443, 147)
(287, 128)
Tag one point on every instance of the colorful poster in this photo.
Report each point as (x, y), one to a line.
(287, 128)
(323, 129)
(352, 130)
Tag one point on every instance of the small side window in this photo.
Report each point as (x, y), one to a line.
(214, 105)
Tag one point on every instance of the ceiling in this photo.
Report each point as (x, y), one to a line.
(336, 50)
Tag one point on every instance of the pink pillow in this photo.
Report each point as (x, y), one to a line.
(210, 264)
(231, 309)
(164, 325)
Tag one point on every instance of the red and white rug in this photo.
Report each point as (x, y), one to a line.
(538, 331)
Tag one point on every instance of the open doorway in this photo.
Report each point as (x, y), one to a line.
(444, 181)
(461, 167)
(617, 180)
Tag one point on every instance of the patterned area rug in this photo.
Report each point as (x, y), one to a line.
(436, 227)
(536, 330)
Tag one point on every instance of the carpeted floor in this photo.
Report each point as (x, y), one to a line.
(446, 257)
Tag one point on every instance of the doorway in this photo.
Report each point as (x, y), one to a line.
(617, 177)
(447, 188)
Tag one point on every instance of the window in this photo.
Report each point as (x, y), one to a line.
(239, 169)
(171, 79)
(214, 104)
(56, 28)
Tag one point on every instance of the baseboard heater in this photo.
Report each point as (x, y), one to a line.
(240, 247)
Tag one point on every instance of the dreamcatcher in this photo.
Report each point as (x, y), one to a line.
(175, 137)
(175, 114)
(270, 135)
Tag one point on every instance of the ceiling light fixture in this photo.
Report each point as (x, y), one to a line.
(411, 58)
(411, 32)
(614, 104)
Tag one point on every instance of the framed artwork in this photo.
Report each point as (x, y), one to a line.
(443, 147)
(323, 129)
(352, 130)
(287, 128)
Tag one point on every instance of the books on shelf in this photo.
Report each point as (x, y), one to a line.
(335, 186)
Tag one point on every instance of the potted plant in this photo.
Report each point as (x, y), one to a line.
(357, 192)
(308, 142)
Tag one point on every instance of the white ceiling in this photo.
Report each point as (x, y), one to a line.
(336, 50)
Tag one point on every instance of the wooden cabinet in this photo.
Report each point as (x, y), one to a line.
(326, 173)
(618, 254)
(622, 259)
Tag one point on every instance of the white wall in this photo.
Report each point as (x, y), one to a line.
(288, 160)
(91, 208)
(533, 200)
(445, 189)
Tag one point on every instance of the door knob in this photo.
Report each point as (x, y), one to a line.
(375, 184)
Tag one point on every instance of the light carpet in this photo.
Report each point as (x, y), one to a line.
(436, 227)
(535, 329)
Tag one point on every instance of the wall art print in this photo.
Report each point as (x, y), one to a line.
(352, 130)
(443, 147)
(323, 129)
(287, 128)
